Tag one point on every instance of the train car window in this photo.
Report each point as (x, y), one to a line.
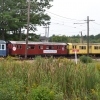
(14, 45)
(52, 47)
(18, 46)
(58, 47)
(82, 47)
(2, 47)
(74, 47)
(95, 47)
(31, 47)
(49, 47)
(40, 47)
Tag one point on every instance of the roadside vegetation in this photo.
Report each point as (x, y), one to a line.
(49, 79)
(86, 59)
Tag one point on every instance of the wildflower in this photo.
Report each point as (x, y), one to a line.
(34, 85)
(77, 99)
(93, 91)
(85, 98)
(51, 93)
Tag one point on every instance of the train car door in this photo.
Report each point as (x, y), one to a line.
(40, 49)
(2, 49)
(63, 49)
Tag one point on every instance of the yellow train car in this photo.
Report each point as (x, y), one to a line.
(95, 50)
(79, 48)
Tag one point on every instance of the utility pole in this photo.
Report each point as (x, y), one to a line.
(88, 34)
(28, 22)
(81, 39)
(46, 32)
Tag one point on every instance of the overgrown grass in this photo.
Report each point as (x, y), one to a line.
(49, 79)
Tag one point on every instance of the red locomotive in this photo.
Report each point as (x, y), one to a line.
(17, 48)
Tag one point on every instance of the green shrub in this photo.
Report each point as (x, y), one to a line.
(44, 93)
(12, 90)
(85, 59)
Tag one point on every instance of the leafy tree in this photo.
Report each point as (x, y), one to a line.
(13, 15)
(57, 38)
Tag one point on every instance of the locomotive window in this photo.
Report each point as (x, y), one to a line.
(31, 46)
(40, 47)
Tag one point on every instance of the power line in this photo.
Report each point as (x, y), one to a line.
(63, 16)
(61, 20)
(96, 23)
(63, 25)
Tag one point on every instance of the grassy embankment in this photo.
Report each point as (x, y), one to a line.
(49, 79)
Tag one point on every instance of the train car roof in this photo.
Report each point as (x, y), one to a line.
(83, 43)
(2, 42)
(42, 43)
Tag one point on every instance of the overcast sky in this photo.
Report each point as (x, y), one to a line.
(65, 13)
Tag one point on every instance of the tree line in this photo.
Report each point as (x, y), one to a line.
(13, 17)
(75, 38)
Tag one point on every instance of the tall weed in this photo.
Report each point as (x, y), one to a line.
(49, 79)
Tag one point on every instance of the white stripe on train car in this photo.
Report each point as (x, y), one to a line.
(49, 51)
